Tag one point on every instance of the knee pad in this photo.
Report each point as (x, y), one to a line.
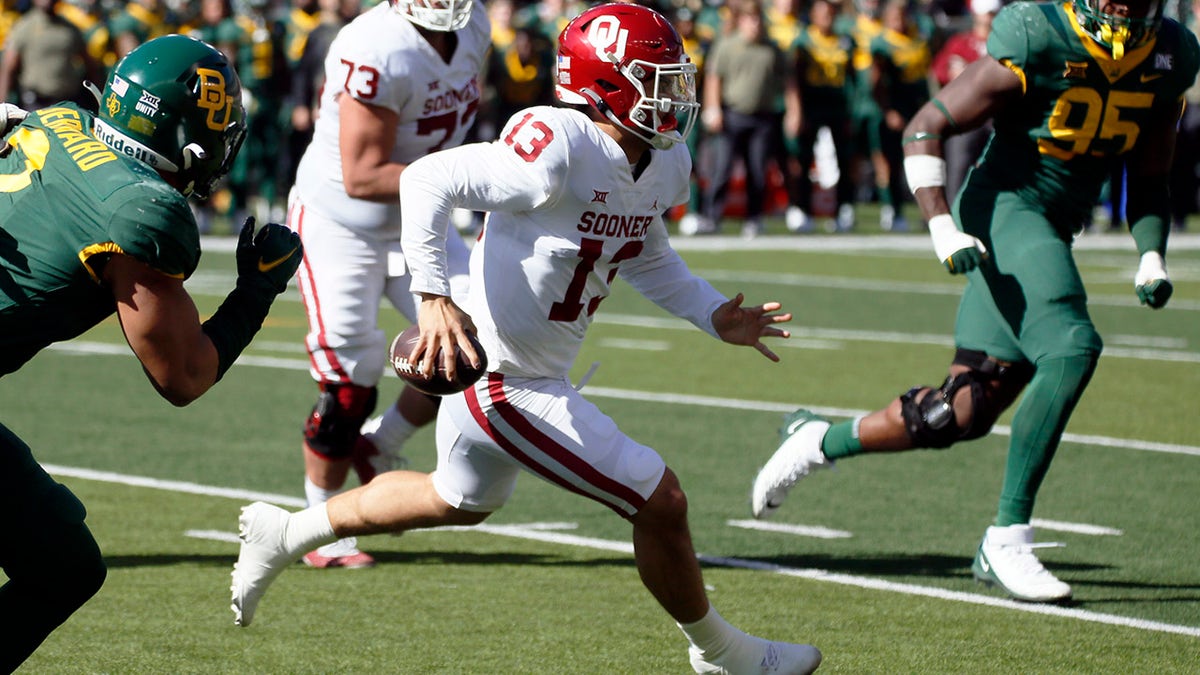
(339, 413)
(932, 422)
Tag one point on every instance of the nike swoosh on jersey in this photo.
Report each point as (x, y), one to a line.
(983, 564)
(1147, 77)
(264, 266)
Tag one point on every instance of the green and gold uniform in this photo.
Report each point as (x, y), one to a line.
(67, 202)
(1033, 190)
(902, 59)
(906, 58)
(824, 71)
(864, 111)
(262, 65)
(140, 21)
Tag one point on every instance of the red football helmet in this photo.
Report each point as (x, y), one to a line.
(627, 61)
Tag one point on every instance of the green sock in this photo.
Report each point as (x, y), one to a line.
(841, 440)
(885, 194)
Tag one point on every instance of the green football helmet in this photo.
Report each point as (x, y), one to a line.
(175, 103)
(1120, 33)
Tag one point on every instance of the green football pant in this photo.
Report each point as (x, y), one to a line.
(52, 561)
(1027, 303)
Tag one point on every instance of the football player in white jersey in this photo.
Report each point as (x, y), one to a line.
(575, 196)
(401, 81)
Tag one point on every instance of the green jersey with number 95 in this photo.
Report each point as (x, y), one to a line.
(68, 202)
(1082, 108)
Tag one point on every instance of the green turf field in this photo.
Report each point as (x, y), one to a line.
(871, 562)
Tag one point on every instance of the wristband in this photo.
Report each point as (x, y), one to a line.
(945, 235)
(235, 323)
(923, 171)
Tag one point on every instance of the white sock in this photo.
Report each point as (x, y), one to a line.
(316, 494)
(308, 529)
(712, 634)
(392, 432)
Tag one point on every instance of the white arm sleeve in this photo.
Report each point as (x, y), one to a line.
(665, 279)
(478, 177)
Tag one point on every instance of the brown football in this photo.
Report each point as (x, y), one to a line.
(438, 384)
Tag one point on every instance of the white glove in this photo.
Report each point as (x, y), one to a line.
(10, 117)
(957, 250)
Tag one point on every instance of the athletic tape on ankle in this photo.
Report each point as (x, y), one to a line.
(924, 171)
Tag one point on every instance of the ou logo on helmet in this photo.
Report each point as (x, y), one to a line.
(606, 32)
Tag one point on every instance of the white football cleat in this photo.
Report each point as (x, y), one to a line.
(262, 557)
(845, 218)
(756, 656)
(1005, 559)
(798, 455)
(797, 220)
(692, 224)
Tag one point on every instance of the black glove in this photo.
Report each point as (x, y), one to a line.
(266, 261)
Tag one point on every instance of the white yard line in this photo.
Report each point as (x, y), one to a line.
(104, 348)
(1076, 528)
(545, 532)
(816, 531)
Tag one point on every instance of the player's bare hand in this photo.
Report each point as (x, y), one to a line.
(739, 325)
(444, 325)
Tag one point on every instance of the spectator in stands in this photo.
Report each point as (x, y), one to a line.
(900, 62)
(865, 117)
(255, 177)
(823, 69)
(91, 18)
(696, 46)
(303, 17)
(1184, 181)
(519, 75)
(215, 25)
(744, 76)
(137, 22)
(46, 60)
(783, 22)
(308, 74)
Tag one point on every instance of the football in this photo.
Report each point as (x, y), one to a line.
(438, 384)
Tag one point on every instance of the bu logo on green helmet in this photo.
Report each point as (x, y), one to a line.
(175, 104)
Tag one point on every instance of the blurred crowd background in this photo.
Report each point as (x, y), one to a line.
(803, 99)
